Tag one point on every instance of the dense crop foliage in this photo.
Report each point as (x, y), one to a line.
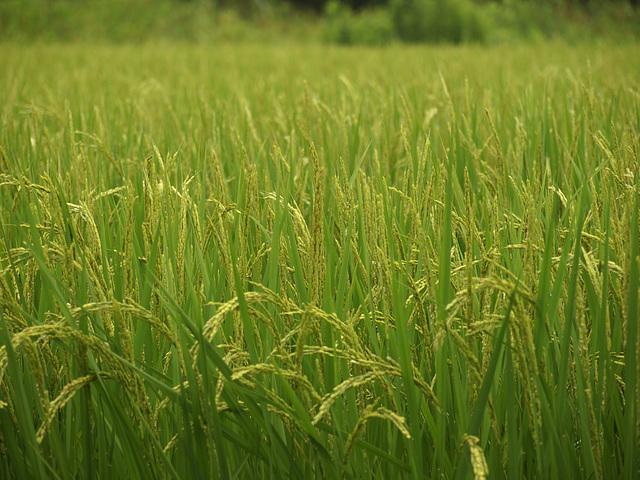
(246, 262)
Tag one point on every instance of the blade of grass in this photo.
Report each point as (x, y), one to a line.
(35, 464)
(630, 432)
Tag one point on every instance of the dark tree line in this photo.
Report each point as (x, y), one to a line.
(318, 5)
(357, 4)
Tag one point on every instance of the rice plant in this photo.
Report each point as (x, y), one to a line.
(248, 262)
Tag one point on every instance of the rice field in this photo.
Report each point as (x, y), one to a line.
(311, 262)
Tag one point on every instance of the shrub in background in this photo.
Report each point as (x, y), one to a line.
(479, 21)
(412, 21)
(371, 26)
(514, 20)
(338, 20)
(409, 19)
(437, 21)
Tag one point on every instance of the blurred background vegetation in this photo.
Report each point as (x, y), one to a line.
(368, 22)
